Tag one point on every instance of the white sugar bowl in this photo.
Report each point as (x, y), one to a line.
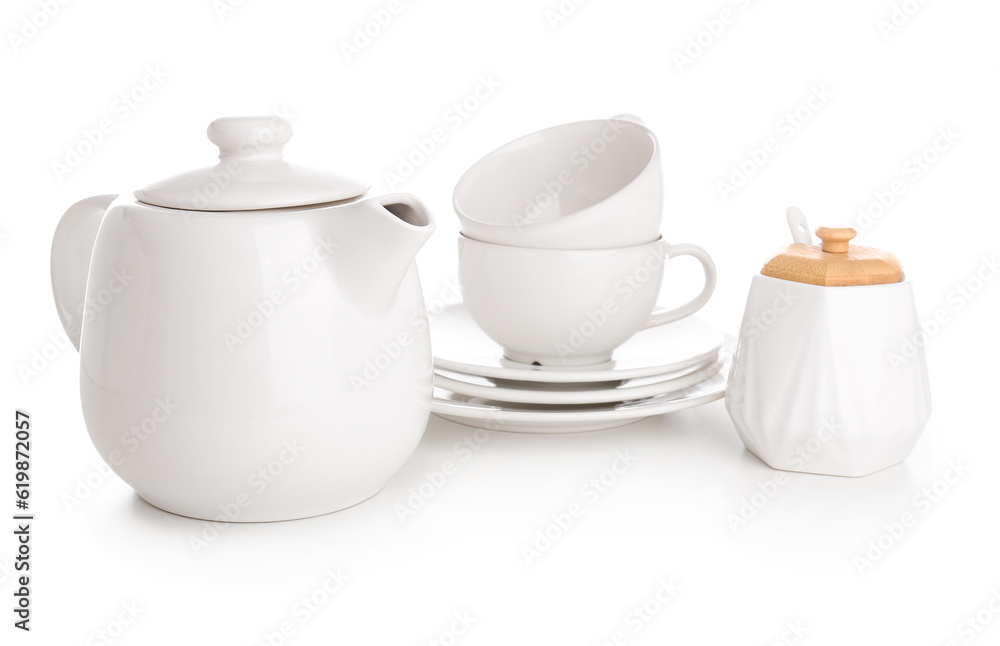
(819, 383)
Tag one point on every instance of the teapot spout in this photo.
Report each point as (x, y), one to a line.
(379, 238)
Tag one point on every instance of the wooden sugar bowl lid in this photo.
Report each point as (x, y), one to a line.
(836, 263)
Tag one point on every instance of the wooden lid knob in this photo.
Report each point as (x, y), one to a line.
(835, 240)
(835, 263)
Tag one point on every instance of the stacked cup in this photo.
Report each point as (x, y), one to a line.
(560, 257)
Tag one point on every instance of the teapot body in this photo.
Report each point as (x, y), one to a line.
(225, 373)
(829, 380)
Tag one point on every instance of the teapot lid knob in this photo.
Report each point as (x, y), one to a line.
(835, 240)
(250, 137)
(251, 173)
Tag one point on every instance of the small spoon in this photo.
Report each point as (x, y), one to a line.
(798, 225)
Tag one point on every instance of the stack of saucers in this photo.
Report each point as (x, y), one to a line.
(660, 370)
(561, 263)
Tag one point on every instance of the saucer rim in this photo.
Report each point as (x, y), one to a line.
(472, 365)
(712, 389)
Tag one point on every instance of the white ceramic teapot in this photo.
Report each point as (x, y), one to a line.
(252, 336)
(820, 383)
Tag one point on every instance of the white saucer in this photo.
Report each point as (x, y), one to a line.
(628, 390)
(530, 418)
(460, 346)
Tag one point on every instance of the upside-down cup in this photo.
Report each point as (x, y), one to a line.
(594, 184)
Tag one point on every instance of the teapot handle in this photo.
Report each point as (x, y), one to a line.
(72, 246)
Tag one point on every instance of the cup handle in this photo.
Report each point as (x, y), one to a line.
(663, 316)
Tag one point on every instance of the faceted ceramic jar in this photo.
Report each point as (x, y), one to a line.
(827, 379)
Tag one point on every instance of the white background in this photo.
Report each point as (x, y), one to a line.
(668, 517)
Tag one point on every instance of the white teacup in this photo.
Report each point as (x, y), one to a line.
(557, 307)
(585, 185)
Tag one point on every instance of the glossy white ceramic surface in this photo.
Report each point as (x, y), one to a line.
(250, 366)
(827, 379)
(251, 173)
(560, 307)
(461, 346)
(584, 185)
(73, 243)
(570, 395)
(530, 418)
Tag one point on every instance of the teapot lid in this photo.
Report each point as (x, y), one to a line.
(251, 174)
(834, 263)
